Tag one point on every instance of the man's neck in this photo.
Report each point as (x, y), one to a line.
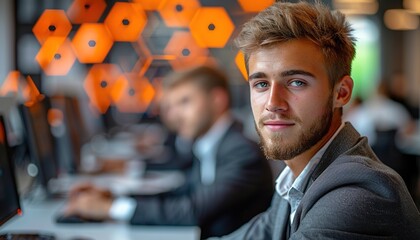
(219, 125)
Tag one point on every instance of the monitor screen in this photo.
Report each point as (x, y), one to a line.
(40, 140)
(9, 200)
(12, 120)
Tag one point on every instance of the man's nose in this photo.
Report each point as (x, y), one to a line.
(277, 99)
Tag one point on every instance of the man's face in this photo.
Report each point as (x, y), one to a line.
(291, 97)
(190, 110)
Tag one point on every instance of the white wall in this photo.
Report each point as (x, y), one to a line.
(7, 28)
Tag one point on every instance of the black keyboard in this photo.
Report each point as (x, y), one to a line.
(27, 236)
(74, 219)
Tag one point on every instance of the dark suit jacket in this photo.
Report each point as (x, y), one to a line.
(242, 189)
(352, 196)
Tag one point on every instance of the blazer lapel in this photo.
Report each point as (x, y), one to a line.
(345, 139)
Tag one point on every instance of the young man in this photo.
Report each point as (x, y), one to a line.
(230, 181)
(298, 58)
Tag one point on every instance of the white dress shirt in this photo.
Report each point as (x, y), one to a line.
(292, 189)
(205, 148)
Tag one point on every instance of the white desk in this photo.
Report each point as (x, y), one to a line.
(153, 182)
(39, 216)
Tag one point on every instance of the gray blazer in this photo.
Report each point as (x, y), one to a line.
(242, 189)
(352, 195)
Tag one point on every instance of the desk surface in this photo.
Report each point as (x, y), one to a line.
(39, 216)
(153, 182)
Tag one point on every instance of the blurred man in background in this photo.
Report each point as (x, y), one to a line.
(230, 180)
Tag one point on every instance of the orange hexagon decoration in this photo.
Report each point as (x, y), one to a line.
(11, 84)
(211, 27)
(178, 13)
(99, 83)
(125, 21)
(240, 63)
(149, 4)
(86, 11)
(31, 93)
(25, 90)
(132, 93)
(255, 6)
(51, 23)
(56, 56)
(183, 46)
(92, 42)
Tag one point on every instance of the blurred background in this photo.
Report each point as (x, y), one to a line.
(100, 63)
(62, 45)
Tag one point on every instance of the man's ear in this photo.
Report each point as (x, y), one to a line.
(342, 92)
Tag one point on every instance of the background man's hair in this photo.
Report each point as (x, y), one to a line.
(206, 77)
(282, 22)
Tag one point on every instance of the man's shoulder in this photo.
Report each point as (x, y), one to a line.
(361, 171)
(358, 163)
(358, 194)
(355, 185)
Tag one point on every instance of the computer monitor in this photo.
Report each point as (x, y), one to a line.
(9, 199)
(11, 118)
(40, 141)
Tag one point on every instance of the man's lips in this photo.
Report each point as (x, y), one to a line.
(277, 124)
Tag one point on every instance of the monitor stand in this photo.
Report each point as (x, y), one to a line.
(27, 236)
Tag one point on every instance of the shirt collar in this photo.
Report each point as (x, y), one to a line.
(209, 141)
(286, 180)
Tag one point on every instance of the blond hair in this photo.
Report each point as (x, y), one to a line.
(282, 22)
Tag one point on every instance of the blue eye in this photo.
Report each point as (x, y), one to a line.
(261, 85)
(297, 83)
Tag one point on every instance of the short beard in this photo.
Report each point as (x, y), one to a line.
(308, 138)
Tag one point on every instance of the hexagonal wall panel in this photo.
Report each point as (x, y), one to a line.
(30, 92)
(211, 27)
(178, 13)
(24, 89)
(183, 46)
(125, 22)
(92, 42)
(240, 63)
(51, 23)
(255, 6)
(56, 56)
(149, 4)
(132, 93)
(86, 11)
(98, 85)
(11, 83)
